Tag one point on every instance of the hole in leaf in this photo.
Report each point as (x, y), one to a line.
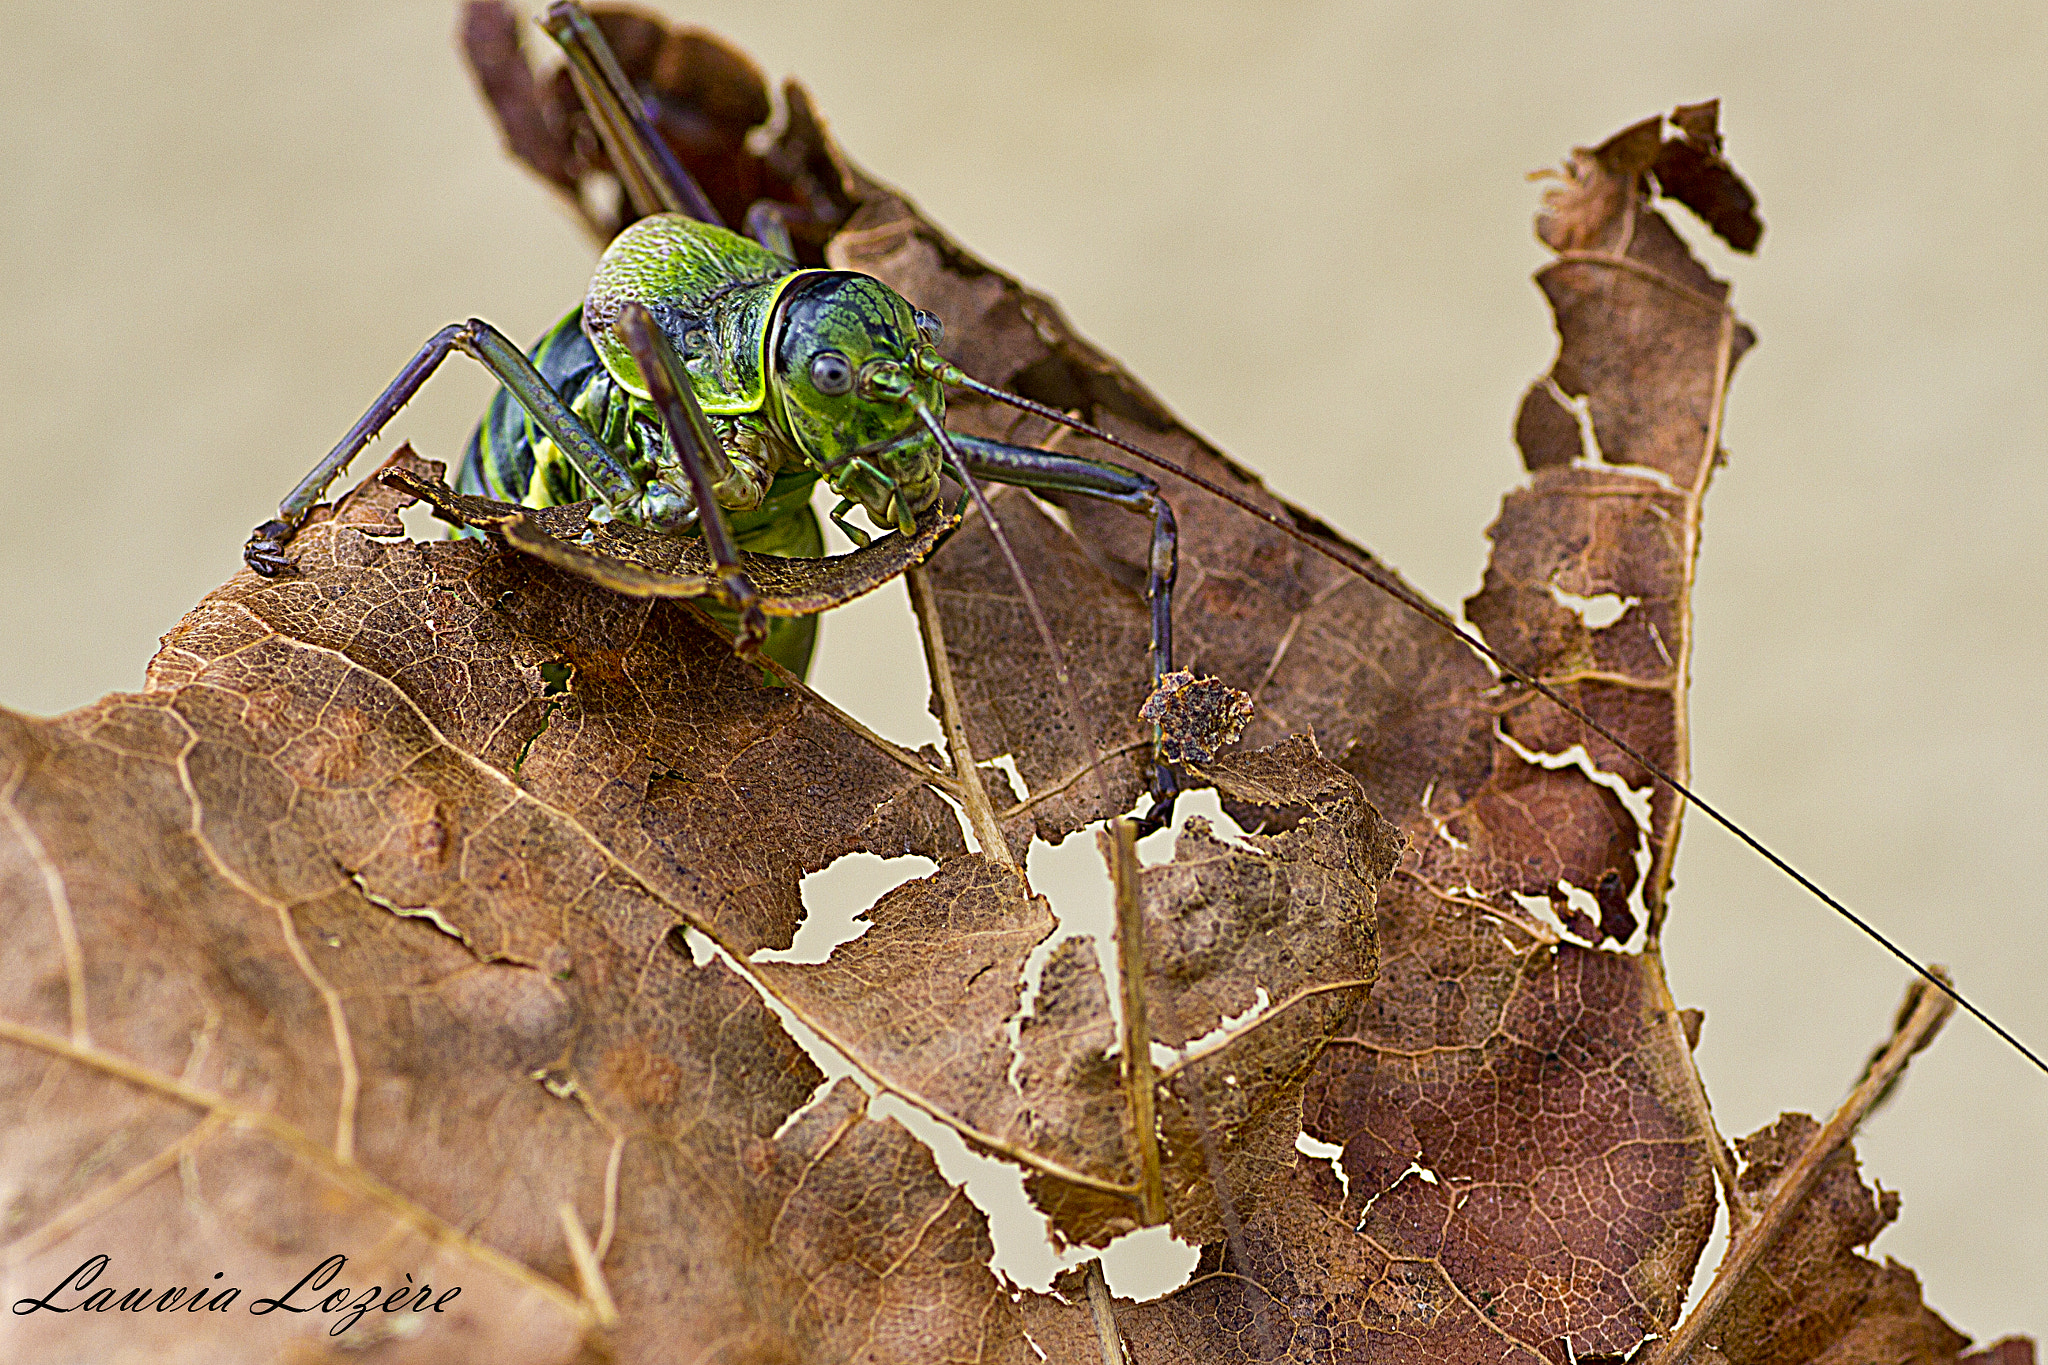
(836, 896)
(1597, 612)
(1144, 1264)
(1315, 1149)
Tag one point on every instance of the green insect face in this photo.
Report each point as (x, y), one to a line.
(842, 367)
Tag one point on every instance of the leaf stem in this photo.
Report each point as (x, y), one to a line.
(1120, 845)
(1104, 1312)
(973, 795)
(1921, 1017)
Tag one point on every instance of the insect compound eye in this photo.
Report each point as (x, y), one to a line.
(831, 374)
(929, 324)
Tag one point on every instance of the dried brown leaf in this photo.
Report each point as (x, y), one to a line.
(925, 1000)
(364, 878)
(1814, 1298)
(417, 899)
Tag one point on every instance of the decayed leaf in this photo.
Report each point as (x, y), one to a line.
(1815, 1298)
(438, 940)
(1197, 717)
(926, 997)
(1790, 1286)
(352, 865)
(412, 910)
(1528, 1156)
(1646, 347)
(1545, 1091)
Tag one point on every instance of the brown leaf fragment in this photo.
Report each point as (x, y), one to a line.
(1196, 716)
(1813, 1297)
(1645, 347)
(1535, 831)
(1691, 169)
(1546, 431)
(893, 1259)
(1603, 186)
(1790, 1286)
(1071, 1088)
(1589, 584)
(1587, 589)
(923, 998)
(1572, 538)
(1275, 938)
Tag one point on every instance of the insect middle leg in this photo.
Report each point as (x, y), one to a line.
(704, 464)
(1044, 471)
(622, 490)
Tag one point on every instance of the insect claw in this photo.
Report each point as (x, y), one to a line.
(265, 551)
(753, 633)
(738, 594)
(1158, 817)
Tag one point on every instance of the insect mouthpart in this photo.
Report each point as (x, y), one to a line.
(878, 451)
(894, 479)
(885, 379)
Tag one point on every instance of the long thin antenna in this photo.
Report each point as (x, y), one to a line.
(1408, 597)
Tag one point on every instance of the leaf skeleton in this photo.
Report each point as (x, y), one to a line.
(707, 384)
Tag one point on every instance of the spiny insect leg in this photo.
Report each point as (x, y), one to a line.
(653, 178)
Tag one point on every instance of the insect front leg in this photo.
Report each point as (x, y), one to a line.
(1045, 471)
(618, 487)
(704, 463)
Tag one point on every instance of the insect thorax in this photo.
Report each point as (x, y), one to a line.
(814, 370)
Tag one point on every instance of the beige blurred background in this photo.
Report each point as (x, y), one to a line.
(226, 225)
